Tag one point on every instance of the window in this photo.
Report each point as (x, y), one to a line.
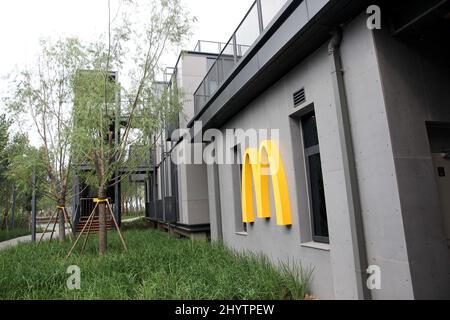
(318, 209)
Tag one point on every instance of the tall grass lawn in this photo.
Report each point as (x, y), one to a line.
(155, 267)
(6, 235)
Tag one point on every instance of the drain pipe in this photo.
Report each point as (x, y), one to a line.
(348, 158)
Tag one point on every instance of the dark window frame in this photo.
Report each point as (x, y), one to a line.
(243, 227)
(310, 152)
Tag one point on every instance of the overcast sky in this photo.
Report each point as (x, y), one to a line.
(24, 22)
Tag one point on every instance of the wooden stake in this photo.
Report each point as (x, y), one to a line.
(117, 227)
(54, 226)
(88, 233)
(67, 219)
(82, 231)
(46, 228)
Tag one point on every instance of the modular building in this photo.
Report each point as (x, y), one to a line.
(359, 95)
(178, 194)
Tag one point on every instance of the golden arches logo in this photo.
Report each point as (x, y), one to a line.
(258, 165)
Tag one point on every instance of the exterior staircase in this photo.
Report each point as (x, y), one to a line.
(82, 213)
(95, 225)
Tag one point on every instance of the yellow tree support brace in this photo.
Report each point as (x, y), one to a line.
(97, 200)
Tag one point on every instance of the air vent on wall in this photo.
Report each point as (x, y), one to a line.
(299, 97)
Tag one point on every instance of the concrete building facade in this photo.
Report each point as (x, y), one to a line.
(363, 117)
(178, 194)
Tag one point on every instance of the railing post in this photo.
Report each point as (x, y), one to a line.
(235, 49)
(218, 73)
(163, 182)
(260, 16)
(154, 180)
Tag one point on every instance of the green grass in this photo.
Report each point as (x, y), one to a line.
(11, 234)
(155, 267)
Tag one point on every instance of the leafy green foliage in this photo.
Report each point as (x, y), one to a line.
(80, 110)
(146, 31)
(156, 267)
(43, 94)
(4, 159)
(18, 162)
(23, 160)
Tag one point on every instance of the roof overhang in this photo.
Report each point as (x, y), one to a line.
(288, 41)
(418, 19)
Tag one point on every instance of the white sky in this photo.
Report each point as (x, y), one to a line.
(24, 22)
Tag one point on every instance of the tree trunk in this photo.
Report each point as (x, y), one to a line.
(137, 203)
(5, 217)
(13, 209)
(62, 226)
(102, 234)
(123, 206)
(61, 220)
(5, 221)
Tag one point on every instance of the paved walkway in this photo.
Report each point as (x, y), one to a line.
(14, 242)
(132, 219)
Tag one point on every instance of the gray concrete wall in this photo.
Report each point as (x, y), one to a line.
(191, 71)
(271, 111)
(192, 179)
(215, 213)
(416, 82)
(334, 274)
(380, 202)
(193, 200)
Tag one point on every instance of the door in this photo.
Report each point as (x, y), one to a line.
(442, 171)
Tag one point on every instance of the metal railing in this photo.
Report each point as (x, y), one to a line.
(213, 47)
(86, 206)
(163, 210)
(257, 19)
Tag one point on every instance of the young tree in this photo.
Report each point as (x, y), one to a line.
(16, 156)
(4, 163)
(104, 130)
(23, 161)
(44, 94)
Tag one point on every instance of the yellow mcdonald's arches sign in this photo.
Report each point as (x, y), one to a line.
(258, 165)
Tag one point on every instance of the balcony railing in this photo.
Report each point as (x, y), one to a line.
(162, 211)
(257, 19)
(213, 47)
